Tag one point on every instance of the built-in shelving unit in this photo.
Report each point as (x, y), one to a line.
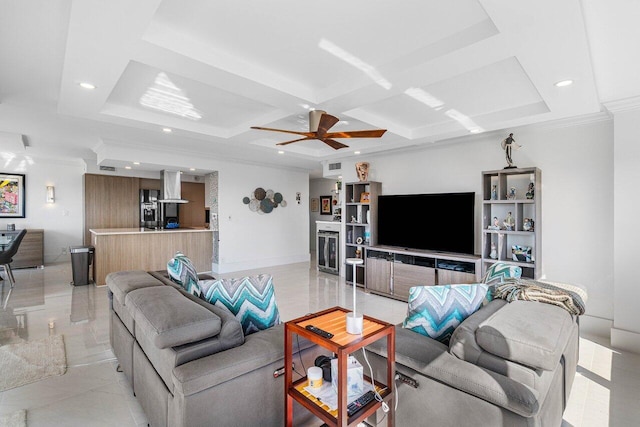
(360, 218)
(509, 191)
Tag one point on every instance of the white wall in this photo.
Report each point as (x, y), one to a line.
(626, 331)
(250, 240)
(319, 187)
(61, 221)
(577, 196)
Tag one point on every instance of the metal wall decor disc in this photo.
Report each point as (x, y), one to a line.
(260, 193)
(246, 200)
(254, 205)
(277, 197)
(283, 203)
(266, 205)
(270, 194)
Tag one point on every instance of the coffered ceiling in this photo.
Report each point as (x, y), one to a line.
(426, 70)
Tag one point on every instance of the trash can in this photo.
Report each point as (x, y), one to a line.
(81, 259)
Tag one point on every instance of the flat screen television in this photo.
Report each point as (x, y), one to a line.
(442, 222)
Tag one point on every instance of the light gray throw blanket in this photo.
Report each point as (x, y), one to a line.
(569, 297)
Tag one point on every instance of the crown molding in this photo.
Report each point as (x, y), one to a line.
(620, 105)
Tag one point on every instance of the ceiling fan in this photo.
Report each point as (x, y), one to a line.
(319, 123)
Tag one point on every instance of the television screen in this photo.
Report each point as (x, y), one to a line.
(441, 222)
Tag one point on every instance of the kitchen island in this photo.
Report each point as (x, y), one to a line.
(120, 249)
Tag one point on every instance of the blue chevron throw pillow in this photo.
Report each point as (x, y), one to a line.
(499, 271)
(251, 299)
(436, 311)
(496, 275)
(182, 271)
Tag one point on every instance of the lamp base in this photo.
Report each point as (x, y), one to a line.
(354, 324)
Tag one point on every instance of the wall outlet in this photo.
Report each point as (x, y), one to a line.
(64, 250)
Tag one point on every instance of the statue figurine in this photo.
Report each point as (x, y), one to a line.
(362, 169)
(507, 146)
(494, 192)
(509, 222)
(494, 253)
(496, 224)
(530, 191)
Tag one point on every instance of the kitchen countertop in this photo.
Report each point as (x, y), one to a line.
(107, 231)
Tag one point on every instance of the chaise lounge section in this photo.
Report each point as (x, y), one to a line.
(508, 364)
(189, 362)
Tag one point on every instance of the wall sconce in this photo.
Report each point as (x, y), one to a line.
(50, 194)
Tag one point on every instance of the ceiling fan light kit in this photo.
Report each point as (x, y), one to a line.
(319, 124)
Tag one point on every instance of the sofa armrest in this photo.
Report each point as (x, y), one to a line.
(431, 359)
(259, 349)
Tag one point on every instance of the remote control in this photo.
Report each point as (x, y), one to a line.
(360, 402)
(319, 331)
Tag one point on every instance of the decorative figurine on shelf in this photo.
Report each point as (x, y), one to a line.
(358, 253)
(509, 222)
(494, 253)
(496, 224)
(507, 145)
(511, 195)
(353, 218)
(362, 169)
(527, 224)
(530, 191)
(494, 192)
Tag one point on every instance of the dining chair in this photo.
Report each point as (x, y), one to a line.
(6, 256)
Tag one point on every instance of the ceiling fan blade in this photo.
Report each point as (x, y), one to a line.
(307, 134)
(327, 121)
(334, 144)
(376, 133)
(295, 140)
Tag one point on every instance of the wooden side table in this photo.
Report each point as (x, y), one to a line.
(342, 343)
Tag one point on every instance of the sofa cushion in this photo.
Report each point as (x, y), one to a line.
(123, 282)
(182, 271)
(435, 311)
(170, 319)
(251, 299)
(531, 333)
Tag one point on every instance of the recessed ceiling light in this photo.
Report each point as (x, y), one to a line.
(167, 130)
(280, 152)
(356, 152)
(339, 176)
(563, 83)
(136, 163)
(127, 167)
(192, 169)
(475, 130)
(87, 85)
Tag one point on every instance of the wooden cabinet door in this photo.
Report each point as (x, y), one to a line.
(110, 202)
(378, 275)
(31, 250)
(406, 275)
(450, 277)
(192, 214)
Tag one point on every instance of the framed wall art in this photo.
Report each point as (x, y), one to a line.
(12, 195)
(325, 205)
(315, 204)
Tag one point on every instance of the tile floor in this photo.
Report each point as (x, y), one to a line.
(606, 391)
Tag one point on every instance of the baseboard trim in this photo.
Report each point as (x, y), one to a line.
(591, 325)
(625, 340)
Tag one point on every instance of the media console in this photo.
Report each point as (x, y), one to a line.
(392, 271)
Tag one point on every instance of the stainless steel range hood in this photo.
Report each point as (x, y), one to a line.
(171, 191)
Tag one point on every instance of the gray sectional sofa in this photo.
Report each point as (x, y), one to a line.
(508, 364)
(189, 362)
